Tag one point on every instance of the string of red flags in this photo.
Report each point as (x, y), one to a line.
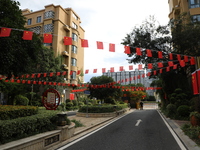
(47, 38)
(107, 85)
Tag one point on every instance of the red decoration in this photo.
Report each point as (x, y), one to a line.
(185, 58)
(99, 45)
(112, 69)
(112, 47)
(160, 54)
(27, 35)
(138, 51)
(170, 63)
(127, 50)
(47, 38)
(140, 67)
(84, 43)
(160, 64)
(121, 68)
(67, 40)
(103, 70)
(194, 83)
(86, 71)
(170, 56)
(149, 53)
(95, 71)
(192, 61)
(131, 67)
(5, 32)
(150, 66)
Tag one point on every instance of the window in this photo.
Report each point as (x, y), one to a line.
(49, 14)
(196, 18)
(48, 28)
(194, 3)
(73, 62)
(75, 17)
(29, 22)
(73, 76)
(74, 37)
(39, 19)
(74, 25)
(74, 49)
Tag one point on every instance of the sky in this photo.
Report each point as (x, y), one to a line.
(107, 21)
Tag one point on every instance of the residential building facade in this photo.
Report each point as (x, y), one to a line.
(191, 7)
(60, 22)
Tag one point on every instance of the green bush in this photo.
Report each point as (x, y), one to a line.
(21, 100)
(102, 108)
(171, 110)
(26, 126)
(81, 104)
(110, 100)
(183, 111)
(13, 112)
(77, 123)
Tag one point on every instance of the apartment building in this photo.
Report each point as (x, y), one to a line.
(191, 7)
(60, 22)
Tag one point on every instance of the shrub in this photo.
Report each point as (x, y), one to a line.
(77, 123)
(171, 110)
(21, 100)
(81, 104)
(110, 100)
(183, 111)
(12, 112)
(26, 126)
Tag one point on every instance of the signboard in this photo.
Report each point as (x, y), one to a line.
(87, 92)
(51, 99)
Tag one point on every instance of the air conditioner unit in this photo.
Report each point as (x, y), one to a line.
(67, 26)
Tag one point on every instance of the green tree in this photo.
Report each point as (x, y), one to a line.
(18, 56)
(103, 93)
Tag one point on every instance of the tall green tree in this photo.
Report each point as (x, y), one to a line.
(103, 93)
(18, 56)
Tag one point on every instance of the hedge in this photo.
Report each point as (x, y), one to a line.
(12, 112)
(26, 126)
(102, 108)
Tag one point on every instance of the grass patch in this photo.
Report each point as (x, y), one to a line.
(77, 123)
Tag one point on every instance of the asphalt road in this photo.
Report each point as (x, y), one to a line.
(140, 130)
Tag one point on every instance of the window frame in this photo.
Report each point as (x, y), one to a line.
(74, 49)
(74, 37)
(40, 20)
(73, 62)
(29, 21)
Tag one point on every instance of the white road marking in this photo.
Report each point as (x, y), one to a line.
(138, 122)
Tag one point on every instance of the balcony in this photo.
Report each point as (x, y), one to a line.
(65, 53)
(64, 66)
(66, 27)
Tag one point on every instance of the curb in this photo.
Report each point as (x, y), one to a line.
(186, 141)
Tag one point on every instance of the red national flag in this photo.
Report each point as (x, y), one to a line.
(149, 53)
(127, 50)
(38, 75)
(71, 96)
(143, 75)
(150, 66)
(78, 72)
(194, 83)
(67, 40)
(84, 43)
(134, 77)
(99, 45)
(64, 73)
(27, 35)
(103, 70)
(160, 70)
(45, 74)
(170, 63)
(148, 74)
(33, 76)
(138, 76)
(154, 72)
(131, 67)
(57, 73)
(71, 72)
(138, 51)
(112, 47)
(178, 57)
(198, 78)
(185, 58)
(5, 32)
(95, 71)
(121, 68)
(170, 56)
(140, 67)
(167, 69)
(51, 74)
(192, 61)
(112, 69)
(47, 38)
(160, 55)
(182, 63)
(175, 66)
(160, 64)
(86, 71)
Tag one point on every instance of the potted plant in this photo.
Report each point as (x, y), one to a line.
(195, 118)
